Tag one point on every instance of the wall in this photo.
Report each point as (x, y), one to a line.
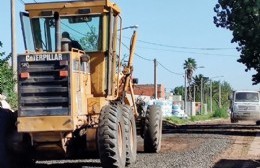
(148, 90)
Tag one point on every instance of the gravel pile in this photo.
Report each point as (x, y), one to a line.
(199, 157)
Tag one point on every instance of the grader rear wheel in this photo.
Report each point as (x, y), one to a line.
(111, 137)
(153, 129)
(130, 129)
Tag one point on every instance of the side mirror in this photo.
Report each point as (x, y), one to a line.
(135, 80)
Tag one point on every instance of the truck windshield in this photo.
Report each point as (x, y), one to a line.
(85, 30)
(247, 97)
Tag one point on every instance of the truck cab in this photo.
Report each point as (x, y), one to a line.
(245, 106)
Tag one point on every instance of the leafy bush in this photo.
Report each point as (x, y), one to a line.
(7, 81)
(220, 113)
(177, 120)
(201, 117)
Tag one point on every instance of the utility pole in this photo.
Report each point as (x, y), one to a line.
(211, 96)
(155, 79)
(13, 41)
(194, 93)
(219, 95)
(185, 91)
(201, 95)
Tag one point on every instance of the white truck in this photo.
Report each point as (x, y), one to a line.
(245, 105)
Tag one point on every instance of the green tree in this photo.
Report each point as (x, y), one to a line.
(197, 81)
(7, 81)
(189, 66)
(90, 42)
(179, 91)
(243, 19)
(226, 90)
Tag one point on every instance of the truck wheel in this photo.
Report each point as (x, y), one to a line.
(111, 137)
(258, 122)
(130, 129)
(233, 120)
(153, 129)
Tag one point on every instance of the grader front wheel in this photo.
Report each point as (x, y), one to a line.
(153, 129)
(111, 137)
(130, 129)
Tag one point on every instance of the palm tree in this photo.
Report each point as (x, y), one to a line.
(189, 66)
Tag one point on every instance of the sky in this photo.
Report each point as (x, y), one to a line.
(170, 31)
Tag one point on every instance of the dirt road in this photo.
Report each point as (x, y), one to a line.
(244, 152)
(212, 144)
(244, 148)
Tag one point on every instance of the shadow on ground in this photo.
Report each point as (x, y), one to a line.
(224, 163)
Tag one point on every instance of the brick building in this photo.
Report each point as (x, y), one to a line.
(148, 90)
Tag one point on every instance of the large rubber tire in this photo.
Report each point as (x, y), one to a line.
(153, 129)
(130, 129)
(7, 128)
(4, 127)
(111, 137)
(21, 153)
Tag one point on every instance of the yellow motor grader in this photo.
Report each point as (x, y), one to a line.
(74, 94)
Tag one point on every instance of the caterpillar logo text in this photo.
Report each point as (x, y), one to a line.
(43, 57)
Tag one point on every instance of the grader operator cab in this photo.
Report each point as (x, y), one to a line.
(73, 91)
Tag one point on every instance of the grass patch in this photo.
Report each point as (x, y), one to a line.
(201, 117)
(219, 113)
(177, 120)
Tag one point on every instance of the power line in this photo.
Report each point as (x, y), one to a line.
(169, 69)
(188, 52)
(22, 2)
(146, 59)
(143, 57)
(181, 47)
(73, 29)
